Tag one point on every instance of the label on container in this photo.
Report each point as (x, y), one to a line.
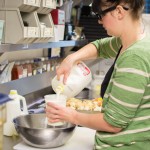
(85, 70)
(51, 32)
(48, 3)
(42, 32)
(20, 76)
(31, 2)
(31, 32)
(25, 72)
(47, 32)
(29, 74)
(61, 17)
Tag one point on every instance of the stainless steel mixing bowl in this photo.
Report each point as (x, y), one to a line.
(34, 131)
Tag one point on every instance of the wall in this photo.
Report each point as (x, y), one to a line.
(146, 23)
(21, 55)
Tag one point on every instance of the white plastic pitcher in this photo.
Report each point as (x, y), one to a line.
(96, 85)
(16, 107)
(80, 76)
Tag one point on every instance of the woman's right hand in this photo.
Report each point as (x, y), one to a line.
(65, 68)
(89, 51)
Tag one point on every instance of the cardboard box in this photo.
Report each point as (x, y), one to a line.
(58, 16)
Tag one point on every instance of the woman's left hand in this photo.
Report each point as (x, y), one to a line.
(56, 113)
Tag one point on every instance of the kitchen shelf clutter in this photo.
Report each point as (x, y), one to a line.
(28, 25)
(40, 81)
(27, 21)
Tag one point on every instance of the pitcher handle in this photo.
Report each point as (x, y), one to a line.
(23, 105)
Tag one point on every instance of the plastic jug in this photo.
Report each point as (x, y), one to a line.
(80, 76)
(3, 99)
(96, 85)
(16, 107)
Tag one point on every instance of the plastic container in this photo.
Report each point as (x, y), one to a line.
(59, 31)
(16, 107)
(23, 28)
(59, 100)
(46, 6)
(96, 85)
(46, 28)
(3, 99)
(22, 5)
(29, 68)
(17, 71)
(80, 76)
(58, 16)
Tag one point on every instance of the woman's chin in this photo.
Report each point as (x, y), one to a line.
(110, 34)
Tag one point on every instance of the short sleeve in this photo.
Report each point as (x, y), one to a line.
(107, 47)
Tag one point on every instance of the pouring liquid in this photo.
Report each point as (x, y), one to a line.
(59, 90)
(59, 101)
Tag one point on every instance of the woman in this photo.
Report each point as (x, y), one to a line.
(125, 118)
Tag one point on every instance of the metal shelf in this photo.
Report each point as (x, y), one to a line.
(28, 85)
(18, 47)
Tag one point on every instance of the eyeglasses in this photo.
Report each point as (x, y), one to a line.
(102, 13)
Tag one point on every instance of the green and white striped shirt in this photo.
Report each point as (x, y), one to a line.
(126, 103)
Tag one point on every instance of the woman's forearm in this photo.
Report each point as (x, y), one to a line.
(87, 52)
(94, 121)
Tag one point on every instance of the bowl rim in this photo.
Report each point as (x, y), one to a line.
(48, 127)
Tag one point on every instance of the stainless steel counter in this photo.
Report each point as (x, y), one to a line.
(83, 138)
(9, 142)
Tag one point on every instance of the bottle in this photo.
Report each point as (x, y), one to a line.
(52, 65)
(25, 70)
(17, 71)
(96, 84)
(16, 107)
(38, 65)
(44, 67)
(80, 76)
(34, 66)
(29, 68)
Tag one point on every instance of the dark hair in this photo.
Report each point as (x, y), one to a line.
(136, 6)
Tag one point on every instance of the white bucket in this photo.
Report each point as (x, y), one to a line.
(80, 76)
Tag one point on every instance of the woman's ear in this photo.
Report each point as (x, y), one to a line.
(120, 12)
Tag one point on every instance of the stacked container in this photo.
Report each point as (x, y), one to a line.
(22, 22)
(59, 24)
(45, 20)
